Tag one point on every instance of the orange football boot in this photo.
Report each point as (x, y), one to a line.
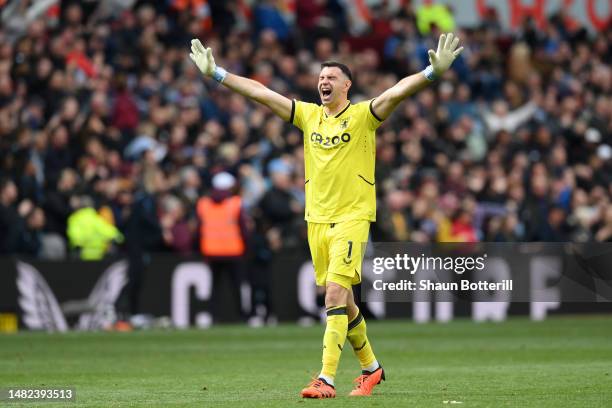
(367, 381)
(318, 388)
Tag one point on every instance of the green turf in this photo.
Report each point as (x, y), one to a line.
(561, 362)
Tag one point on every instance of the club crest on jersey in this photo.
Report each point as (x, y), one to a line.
(344, 123)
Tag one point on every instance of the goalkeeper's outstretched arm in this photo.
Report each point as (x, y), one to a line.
(254, 90)
(440, 61)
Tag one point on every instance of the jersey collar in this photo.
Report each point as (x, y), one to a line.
(348, 105)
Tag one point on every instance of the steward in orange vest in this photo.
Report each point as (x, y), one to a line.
(222, 241)
(221, 225)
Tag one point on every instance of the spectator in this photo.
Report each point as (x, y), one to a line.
(143, 234)
(392, 223)
(279, 207)
(502, 119)
(11, 223)
(223, 236)
(32, 237)
(89, 233)
(604, 233)
(125, 112)
(180, 235)
(190, 187)
(462, 228)
(59, 203)
(437, 15)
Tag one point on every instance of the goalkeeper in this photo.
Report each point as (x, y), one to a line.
(339, 157)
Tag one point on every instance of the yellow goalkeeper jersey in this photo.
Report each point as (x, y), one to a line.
(339, 158)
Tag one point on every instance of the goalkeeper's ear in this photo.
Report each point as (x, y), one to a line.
(348, 83)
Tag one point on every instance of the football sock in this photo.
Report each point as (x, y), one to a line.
(357, 336)
(329, 380)
(372, 367)
(333, 341)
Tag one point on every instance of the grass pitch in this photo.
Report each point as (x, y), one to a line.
(561, 362)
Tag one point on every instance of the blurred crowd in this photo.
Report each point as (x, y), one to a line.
(109, 136)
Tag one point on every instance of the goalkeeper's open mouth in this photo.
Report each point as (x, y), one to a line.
(325, 92)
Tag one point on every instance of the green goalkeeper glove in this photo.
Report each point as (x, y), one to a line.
(204, 60)
(443, 57)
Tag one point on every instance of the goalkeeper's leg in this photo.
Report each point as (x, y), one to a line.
(372, 372)
(336, 296)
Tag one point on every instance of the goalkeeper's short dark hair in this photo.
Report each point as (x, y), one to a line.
(342, 67)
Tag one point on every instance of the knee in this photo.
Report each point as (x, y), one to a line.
(335, 295)
(351, 309)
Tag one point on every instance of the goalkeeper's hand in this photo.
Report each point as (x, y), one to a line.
(202, 57)
(446, 53)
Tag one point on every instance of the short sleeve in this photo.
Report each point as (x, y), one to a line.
(373, 121)
(300, 112)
